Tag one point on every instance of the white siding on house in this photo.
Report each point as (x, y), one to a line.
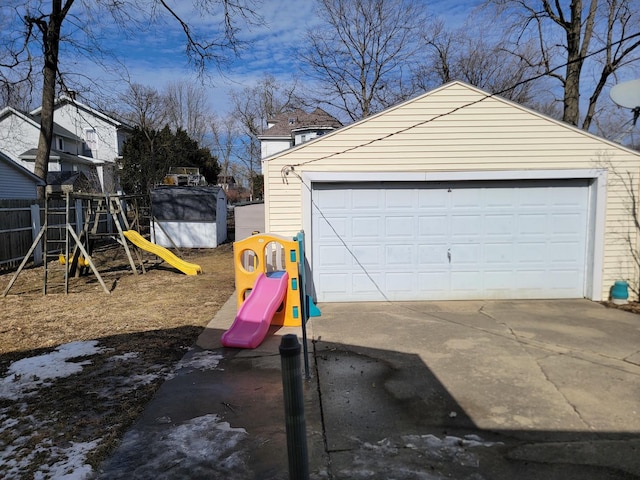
(458, 128)
(270, 147)
(80, 122)
(17, 135)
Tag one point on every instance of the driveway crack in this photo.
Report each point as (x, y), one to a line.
(526, 343)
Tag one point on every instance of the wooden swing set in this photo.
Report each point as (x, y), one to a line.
(61, 238)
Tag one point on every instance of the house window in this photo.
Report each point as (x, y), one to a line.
(60, 144)
(90, 141)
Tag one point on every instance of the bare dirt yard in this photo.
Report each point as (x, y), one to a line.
(124, 344)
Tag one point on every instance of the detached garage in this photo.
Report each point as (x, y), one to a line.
(457, 194)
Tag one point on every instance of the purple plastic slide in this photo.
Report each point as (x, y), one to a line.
(254, 317)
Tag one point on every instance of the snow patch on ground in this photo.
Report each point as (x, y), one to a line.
(72, 465)
(21, 444)
(204, 360)
(203, 447)
(26, 376)
(426, 457)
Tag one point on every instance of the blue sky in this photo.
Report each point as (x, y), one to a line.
(155, 55)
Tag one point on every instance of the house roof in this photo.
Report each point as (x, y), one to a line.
(64, 100)
(30, 155)
(72, 181)
(8, 111)
(284, 124)
(20, 169)
(35, 122)
(460, 105)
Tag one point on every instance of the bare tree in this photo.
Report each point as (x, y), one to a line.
(34, 44)
(361, 56)
(186, 106)
(466, 55)
(226, 136)
(143, 106)
(595, 37)
(252, 107)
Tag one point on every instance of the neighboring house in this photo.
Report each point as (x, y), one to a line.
(85, 140)
(293, 128)
(458, 194)
(16, 182)
(226, 182)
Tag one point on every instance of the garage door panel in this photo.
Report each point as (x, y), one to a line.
(465, 224)
(559, 279)
(565, 223)
(400, 283)
(368, 255)
(467, 199)
(366, 227)
(401, 254)
(534, 198)
(465, 281)
(329, 202)
(367, 199)
(565, 252)
(495, 280)
(363, 285)
(531, 253)
(399, 227)
(499, 224)
(465, 254)
(465, 240)
(498, 253)
(432, 226)
(432, 199)
(336, 284)
(332, 232)
(434, 282)
(433, 255)
(399, 199)
(501, 198)
(532, 224)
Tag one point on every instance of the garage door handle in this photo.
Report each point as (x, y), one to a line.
(449, 255)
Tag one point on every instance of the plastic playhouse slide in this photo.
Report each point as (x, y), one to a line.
(141, 242)
(254, 317)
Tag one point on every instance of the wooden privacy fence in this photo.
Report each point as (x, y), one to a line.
(20, 222)
(19, 225)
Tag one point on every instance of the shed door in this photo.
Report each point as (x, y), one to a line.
(446, 241)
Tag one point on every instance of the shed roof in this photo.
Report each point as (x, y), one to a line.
(20, 169)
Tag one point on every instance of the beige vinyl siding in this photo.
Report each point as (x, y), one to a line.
(453, 129)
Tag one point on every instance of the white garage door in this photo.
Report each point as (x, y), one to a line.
(445, 241)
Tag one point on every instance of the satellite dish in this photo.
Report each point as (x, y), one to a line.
(627, 95)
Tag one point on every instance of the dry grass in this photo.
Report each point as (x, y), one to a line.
(153, 318)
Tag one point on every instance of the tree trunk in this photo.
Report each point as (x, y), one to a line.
(574, 65)
(51, 45)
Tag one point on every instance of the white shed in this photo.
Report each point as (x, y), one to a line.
(458, 194)
(189, 217)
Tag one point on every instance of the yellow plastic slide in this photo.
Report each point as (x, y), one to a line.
(139, 241)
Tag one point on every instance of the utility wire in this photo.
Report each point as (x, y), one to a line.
(290, 169)
(461, 107)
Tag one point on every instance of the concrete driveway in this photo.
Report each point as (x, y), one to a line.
(464, 390)
(546, 389)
